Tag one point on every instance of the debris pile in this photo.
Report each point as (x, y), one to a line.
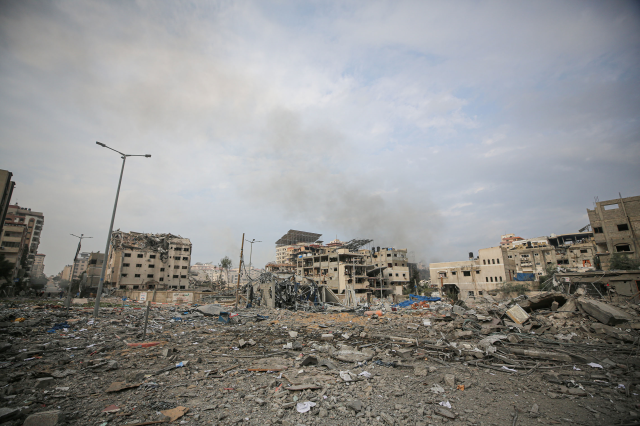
(550, 359)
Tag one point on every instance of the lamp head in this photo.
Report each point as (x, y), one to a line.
(101, 144)
(148, 155)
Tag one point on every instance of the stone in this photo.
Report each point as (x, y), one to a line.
(458, 310)
(293, 334)
(45, 418)
(463, 334)
(296, 346)
(327, 337)
(387, 418)
(7, 414)
(450, 380)
(43, 382)
(323, 412)
(404, 353)
(355, 405)
(534, 409)
(554, 306)
(441, 411)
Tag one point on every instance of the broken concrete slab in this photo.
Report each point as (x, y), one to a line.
(603, 312)
(517, 314)
(349, 354)
(45, 418)
(570, 306)
(211, 310)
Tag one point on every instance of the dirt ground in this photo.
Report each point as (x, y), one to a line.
(409, 367)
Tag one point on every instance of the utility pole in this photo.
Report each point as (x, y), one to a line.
(73, 268)
(251, 253)
(239, 270)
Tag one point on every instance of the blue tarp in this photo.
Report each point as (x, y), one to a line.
(525, 277)
(413, 298)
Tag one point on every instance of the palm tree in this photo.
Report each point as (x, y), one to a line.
(226, 263)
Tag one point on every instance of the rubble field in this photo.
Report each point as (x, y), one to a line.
(550, 359)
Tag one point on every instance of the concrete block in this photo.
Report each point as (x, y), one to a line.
(604, 313)
(43, 382)
(45, 418)
(327, 337)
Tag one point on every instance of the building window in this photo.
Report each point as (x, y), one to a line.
(388, 254)
(395, 255)
(498, 261)
(161, 279)
(140, 255)
(583, 250)
(389, 265)
(125, 265)
(396, 264)
(185, 258)
(177, 249)
(152, 256)
(390, 275)
(123, 275)
(597, 230)
(484, 261)
(466, 273)
(477, 271)
(471, 294)
(175, 276)
(623, 247)
(152, 266)
(186, 249)
(161, 269)
(480, 293)
(611, 207)
(623, 227)
(135, 287)
(496, 279)
(396, 275)
(138, 265)
(404, 275)
(149, 275)
(335, 269)
(127, 255)
(535, 254)
(184, 267)
(183, 276)
(137, 275)
(491, 279)
(453, 272)
(500, 279)
(176, 267)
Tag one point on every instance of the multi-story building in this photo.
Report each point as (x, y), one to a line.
(80, 265)
(33, 222)
(507, 239)
(364, 270)
(65, 275)
(471, 278)
(289, 243)
(616, 226)
(573, 251)
(6, 189)
(37, 270)
(139, 261)
(94, 268)
(13, 243)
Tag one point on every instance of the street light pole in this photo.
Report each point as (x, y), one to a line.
(73, 269)
(251, 253)
(96, 308)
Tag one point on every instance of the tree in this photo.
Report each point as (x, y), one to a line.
(6, 269)
(226, 263)
(621, 261)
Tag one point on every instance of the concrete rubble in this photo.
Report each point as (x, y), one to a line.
(554, 359)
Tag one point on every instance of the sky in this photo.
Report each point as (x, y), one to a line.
(433, 126)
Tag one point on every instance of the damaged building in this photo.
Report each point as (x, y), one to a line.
(473, 277)
(616, 224)
(139, 261)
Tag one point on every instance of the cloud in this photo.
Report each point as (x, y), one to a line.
(432, 126)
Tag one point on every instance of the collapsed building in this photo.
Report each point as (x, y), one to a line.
(140, 261)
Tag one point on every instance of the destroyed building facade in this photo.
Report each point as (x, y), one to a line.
(616, 225)
(473, 277)
(33, 223)
(139, 261)
(533, 256)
